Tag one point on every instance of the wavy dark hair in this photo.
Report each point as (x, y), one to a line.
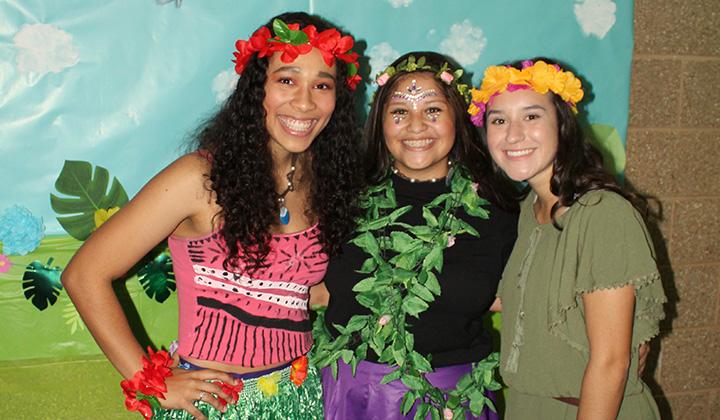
(241, 174)
(578, 165)
(468, 151)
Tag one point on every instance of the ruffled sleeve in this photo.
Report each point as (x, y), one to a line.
(612, 249)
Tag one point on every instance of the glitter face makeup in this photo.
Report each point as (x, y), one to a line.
(414, 94)
(419, 127)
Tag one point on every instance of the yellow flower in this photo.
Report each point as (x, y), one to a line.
(102, 215)
(572, 91)
(558, 83)
(472, 109)
(541, 76)
(475, 94)
(268, 384)
(518, 77)
(495, 80)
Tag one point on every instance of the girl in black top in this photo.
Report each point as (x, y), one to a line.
(408, 295)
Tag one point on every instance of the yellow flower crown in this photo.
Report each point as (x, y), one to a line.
(538, 76)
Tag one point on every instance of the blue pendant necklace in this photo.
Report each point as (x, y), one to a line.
(284, 212)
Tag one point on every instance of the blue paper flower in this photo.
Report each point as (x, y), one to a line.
(20, 231)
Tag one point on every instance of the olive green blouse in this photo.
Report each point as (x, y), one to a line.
(603, 244)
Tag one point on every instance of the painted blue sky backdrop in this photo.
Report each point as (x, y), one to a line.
(122, 83)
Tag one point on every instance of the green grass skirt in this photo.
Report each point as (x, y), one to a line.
(291, 402)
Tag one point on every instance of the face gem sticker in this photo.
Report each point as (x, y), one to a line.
(414, 94)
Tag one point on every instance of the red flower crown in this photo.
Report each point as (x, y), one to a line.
(291, 41)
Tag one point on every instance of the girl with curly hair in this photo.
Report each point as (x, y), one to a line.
(251, 218)
(581, 289)
(404, 333)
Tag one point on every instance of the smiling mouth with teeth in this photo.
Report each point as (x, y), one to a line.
(297, 126)
(417, 143)
(518, 153)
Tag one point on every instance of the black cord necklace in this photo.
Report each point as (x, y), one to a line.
(284, 212)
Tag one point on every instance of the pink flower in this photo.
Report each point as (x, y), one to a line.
(5, 263)
(383, 321)
(382, 79)
(451, 241)
(447, 414)
(475, 186)
(478, 119)
(446, 77)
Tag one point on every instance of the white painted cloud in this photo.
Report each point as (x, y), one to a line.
(400, 3)
(44, 48)
(596, 17)
(381, 55)
(224, 84)
(465, 42)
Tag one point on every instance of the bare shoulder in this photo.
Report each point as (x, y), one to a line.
(188, 169)
(187, 179)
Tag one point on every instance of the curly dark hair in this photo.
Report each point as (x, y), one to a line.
(578, 165)
(241, 174)
(468, 151)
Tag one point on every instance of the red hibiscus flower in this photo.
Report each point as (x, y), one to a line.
(298, 370)
(289, 40)
(353, 81)
(233, 390)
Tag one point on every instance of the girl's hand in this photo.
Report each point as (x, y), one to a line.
(185, 387)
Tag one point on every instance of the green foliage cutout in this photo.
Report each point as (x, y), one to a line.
(157, 277)
(87, 191)
(72, 318)
(41, 283)
(607, 139)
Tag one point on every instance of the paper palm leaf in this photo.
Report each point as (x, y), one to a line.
(158, 278)
(41, 283)
(88, 193)
(607, 139)
(72, 318)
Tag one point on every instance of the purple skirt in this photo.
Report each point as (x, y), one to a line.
(363, 397)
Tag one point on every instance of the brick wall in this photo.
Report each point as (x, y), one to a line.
(673, 149)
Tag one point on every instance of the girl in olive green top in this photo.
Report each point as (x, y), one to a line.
(581, 289)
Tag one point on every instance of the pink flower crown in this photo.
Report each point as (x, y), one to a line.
(538, 76)
(291, 41)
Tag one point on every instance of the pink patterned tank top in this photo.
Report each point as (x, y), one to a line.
(232, 318)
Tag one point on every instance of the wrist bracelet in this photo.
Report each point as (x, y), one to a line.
(148, 384)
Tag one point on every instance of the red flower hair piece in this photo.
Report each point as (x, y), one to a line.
(291, 42)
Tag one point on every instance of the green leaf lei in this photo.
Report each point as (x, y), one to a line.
(404, 286)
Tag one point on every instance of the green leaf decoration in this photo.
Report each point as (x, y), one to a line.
(407, 402)
(72, 318)
(352, 70)
(402, 287)
(157, 277)
(41, 283)
(280, 29)
(607, 139)
(88, 193)
(287, 35)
